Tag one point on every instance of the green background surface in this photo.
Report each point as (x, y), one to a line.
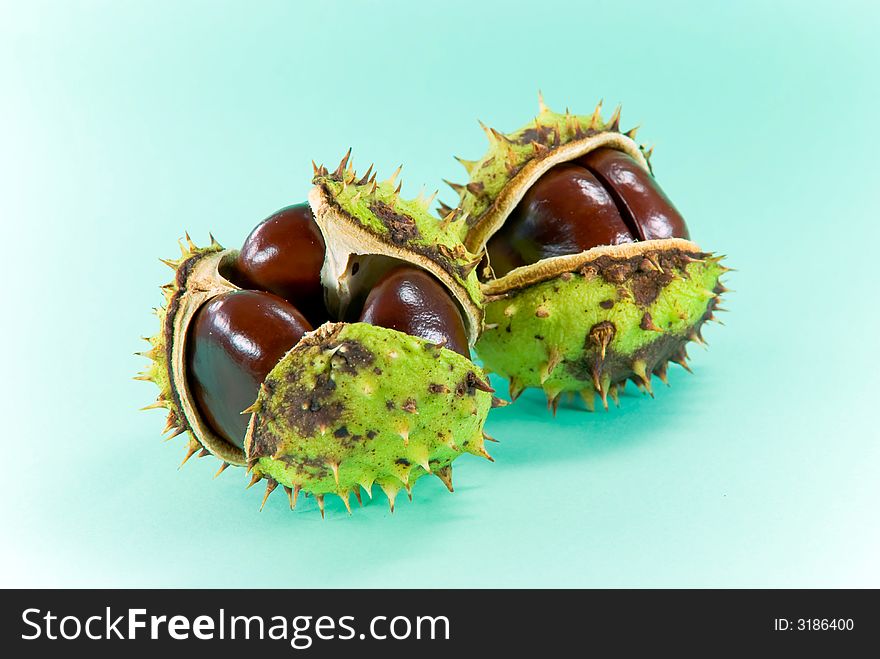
(122, 124)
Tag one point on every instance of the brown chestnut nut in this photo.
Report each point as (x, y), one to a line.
(234, 340)
(642, 202)
(410, 300)
(603, 198)
(283, 255)
(566, 211)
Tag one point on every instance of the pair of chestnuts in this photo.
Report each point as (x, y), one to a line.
(602, 198)
(332, 352)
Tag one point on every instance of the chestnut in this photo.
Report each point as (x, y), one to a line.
(284, 255)
(410, 300)
(603, 198)
(233, 342)
(644, 204)
(566, 211)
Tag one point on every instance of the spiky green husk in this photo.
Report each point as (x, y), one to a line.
(592, 327)
(353, 404)
(515, 160)
(160, 353)
(585, 322)
(361, 215)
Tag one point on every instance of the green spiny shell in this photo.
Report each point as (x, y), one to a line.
(196, 280)
(354, 404)
(585, 322)
(611, 315)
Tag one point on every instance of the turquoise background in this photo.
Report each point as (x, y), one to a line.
(123, 124)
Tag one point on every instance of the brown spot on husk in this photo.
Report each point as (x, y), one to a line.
(616, 271)
(309, 468)
(537, 134)
(619, 367)
(646, 286)
(475, 188)
(471, 383)
(647, 323)
(308, 404)
(600, 336)
(402, 228)
(308, 409)
(351, 356)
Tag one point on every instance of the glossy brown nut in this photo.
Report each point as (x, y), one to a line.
(643, 203)
(234, 340)
(283, 255)
(566, 211)
(410, 300)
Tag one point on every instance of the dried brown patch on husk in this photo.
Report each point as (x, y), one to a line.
(598, 261)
